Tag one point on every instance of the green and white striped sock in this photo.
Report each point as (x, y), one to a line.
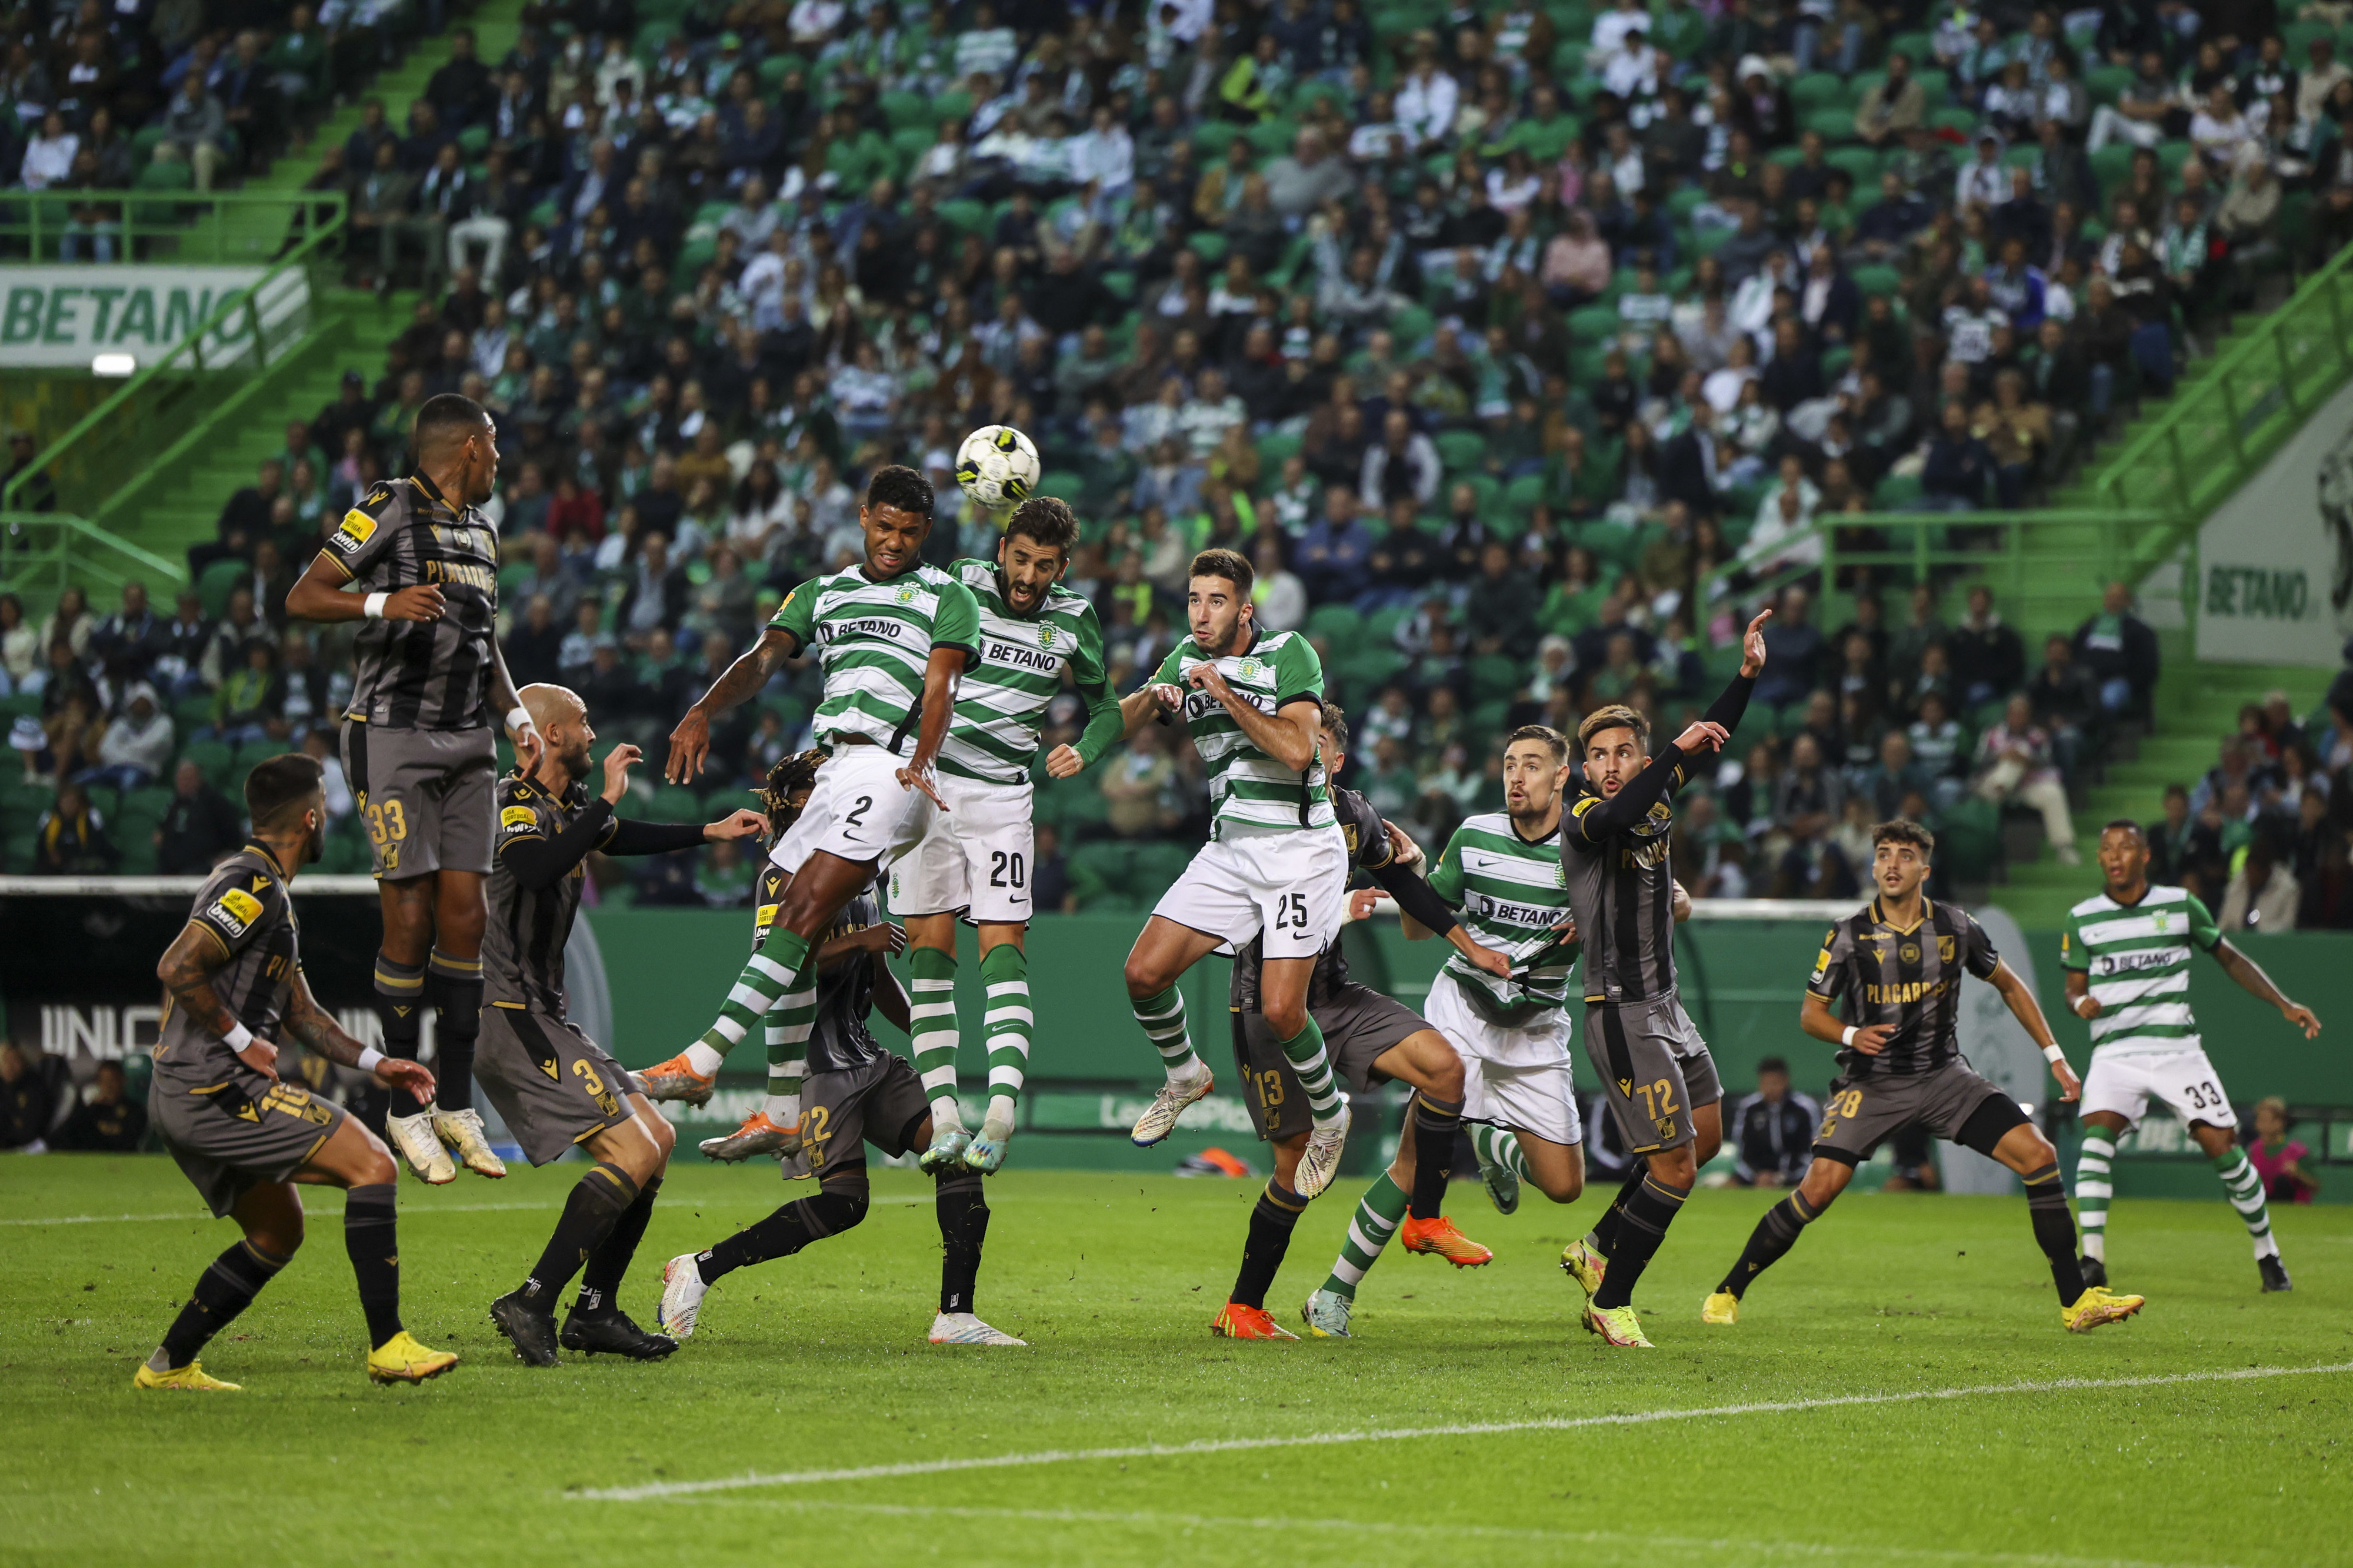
(788, 1024)
(1376, 1220)
(931, 1019)
(1305, 1051)
(768, 976)
(2246, 1190)
(2095, 1185)
(1006, 1027)
(1498, 1146)
(1161, 1019)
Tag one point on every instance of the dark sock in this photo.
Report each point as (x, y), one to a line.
(1774, 1235)
(600, 1281)
(964, 1226)
(2055, 1230)
(371, 1237)
(596, 1203)
(1435, 1122)
(400, 1003)
(454, 986)
(1271, 1224)
(1651, 1209)
(226, 1287)
(1604, 1238)
(784, 1233)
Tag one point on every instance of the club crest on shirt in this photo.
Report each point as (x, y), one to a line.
(2159, 917)
(907, 595)
(1045, 633)
(1248, 669)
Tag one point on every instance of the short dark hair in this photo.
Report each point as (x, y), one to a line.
(1230, 565)
(1046, 520)
(278, 786)
(896, 484)
(1904, 830)
(1336, 719)
(1772, 1064)
(1617, 716)
(2173, 789)
(1551, 738)
(447, 417)
(2125, 825)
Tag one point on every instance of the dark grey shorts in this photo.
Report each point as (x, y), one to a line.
(1860, 1114)
(1654, 1070)
(1357, 1025)
(880, 1103)
(425, 796)
(553, 1085)
(228, 1136)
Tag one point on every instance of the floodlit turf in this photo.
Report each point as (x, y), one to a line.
(817, 1363)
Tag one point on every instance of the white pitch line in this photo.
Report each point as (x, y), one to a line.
(657, 1490)
(405, 1214)
(1713, 1545)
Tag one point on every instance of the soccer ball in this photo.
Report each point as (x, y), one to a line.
(997, 466)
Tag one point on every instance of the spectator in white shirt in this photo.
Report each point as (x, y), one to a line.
(2220, 130)
(48, 157)
(1632, 73)
(1427, 100)
(1104, 154)
(1609, 30)
(987, 46)
(1277, 599)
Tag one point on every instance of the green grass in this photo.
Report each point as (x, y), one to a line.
(817, 1363)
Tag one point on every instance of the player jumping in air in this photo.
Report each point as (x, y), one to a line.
(892, 634)
(974, 859)
(557, 1089)
(1656, 1073)
(1369, 1039)
(2127, 952)
(234, 976)
(422, 563)
(1895, 966)
(820, 1052)
(1274, 871)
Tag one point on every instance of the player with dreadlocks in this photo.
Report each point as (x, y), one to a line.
(834, 1089)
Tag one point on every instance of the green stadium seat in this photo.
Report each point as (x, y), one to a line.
(1411, 326)
(1526, 493)
(1209, 246)
(1461, 449)
(1861, 163)
(1877, 279)
(1819, 89)
(1274, 447)
(1593, 324)
(2106, 84)
(214, 757)
(2171, 156)
(1895, 492)
(906, 110)
(1495, 677)
(2113, 163)
(1830, 124)
(1960, 120)
(1932, 82)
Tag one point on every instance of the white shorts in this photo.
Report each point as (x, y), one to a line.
(974, 860)
(1521, 1078)
(1289, 885)
(2185, 1081)
(857, 810)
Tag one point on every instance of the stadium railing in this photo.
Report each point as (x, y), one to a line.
(167, 407)
(187, 228)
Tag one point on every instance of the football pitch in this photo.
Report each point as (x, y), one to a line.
(1899, 1393)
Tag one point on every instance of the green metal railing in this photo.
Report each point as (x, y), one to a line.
(192, 228)
(165, 408)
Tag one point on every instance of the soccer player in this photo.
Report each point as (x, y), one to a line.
(2127, 953)
(233, 978)
(820, 1051)
(1642, 1044)
(1895, 966)
(1503, 871)
(422, 564)
(974, 861)
(1273, 868)
(892, 634)
(1369, 1039)
(557, 1089)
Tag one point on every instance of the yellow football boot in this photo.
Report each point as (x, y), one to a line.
(1723, 1309)
(401, 1359)
(189, 1379)
(1617, 1326)
(1585, 1266)
(2095, 1305)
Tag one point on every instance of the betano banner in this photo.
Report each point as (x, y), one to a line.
(2275, 563)
(66, 316)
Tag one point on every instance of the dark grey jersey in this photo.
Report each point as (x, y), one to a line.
(1369, 850)
(837, 1037)
(1906, 977)
(1624, 898)
(522, 944)
(422, 675)
(243, 911)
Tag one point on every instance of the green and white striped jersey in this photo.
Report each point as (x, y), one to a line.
(1002, 702)
(1511, 893)
(873, 640)
(2137, 958)
(1246, 786)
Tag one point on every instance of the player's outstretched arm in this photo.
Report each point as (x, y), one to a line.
(1732, 704)
(1598, 819)
(2252, 978)
(521, 734)
(2028, 1012)
(186, 971)
(690, 742)
(1158, 700)
(317, 1029)
(318, 596)
(1107, 726)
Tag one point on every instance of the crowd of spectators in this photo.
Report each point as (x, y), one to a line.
(1521, 349)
